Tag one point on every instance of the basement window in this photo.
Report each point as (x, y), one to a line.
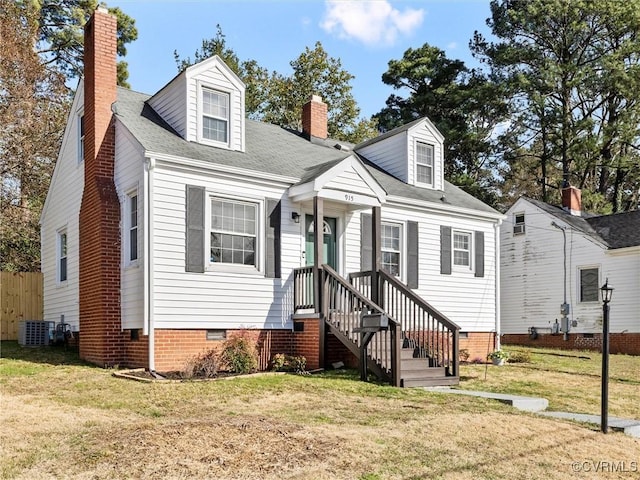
(216, 334)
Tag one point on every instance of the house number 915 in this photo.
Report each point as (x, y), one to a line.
(348, 197)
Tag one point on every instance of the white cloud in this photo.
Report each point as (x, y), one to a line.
(373, 22)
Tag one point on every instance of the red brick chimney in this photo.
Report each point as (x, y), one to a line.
(101, 339)
(314, 118)
(572, 200)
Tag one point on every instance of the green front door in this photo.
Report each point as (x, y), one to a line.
(329, 247)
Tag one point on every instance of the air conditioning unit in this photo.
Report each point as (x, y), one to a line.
(33, 333)
(518, 229)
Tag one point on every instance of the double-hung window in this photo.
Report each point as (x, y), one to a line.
(518, 224)
(62, 256)
(391, 244)
(424, 163)
(215, 115)
(132, 212)
(80, 138)
(462, 249)
(234, 228)
(589, 284)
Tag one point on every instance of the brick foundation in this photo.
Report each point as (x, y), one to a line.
(627, 343)
(478, 345)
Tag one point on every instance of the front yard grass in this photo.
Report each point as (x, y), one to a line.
(569, 379)
(61, 418)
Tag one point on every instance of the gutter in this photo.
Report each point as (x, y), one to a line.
(148, 328)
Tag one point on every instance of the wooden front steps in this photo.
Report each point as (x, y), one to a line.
(416, 372)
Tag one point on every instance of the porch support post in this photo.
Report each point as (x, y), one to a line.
(318, 256)
(318, 253)
(376, 250)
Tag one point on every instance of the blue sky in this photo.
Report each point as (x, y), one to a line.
(364, 35)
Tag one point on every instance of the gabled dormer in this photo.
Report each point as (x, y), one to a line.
(205, 104)
(414, 153)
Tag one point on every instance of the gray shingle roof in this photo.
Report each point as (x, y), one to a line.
(615, 231)
(269, 149)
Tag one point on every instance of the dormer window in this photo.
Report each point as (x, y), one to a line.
(215, 115)
(424, 163)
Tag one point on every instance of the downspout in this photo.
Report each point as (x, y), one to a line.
(149, 330)
(564, 310)
(496, 234)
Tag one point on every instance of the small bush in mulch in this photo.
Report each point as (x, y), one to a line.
(204, 365)
(239, 354)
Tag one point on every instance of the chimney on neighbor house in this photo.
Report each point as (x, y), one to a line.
(99, 221)
(314, 118)
(572, 200)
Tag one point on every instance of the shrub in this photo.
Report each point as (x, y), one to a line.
(288, 363)
(519, 357)
(239, 354)
(464, 355)
(204, 365)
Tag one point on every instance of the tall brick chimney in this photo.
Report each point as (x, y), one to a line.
(314, 118)
(101, 339)
(572, 200)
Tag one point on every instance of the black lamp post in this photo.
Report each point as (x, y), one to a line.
(607, 291)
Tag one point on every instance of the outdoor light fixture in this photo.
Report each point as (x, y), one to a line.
(607, 291)
(295, 216)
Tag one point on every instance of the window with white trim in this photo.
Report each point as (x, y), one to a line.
(80, 137)
(391, 242)
(424, 163)
(62, 256)
(589, 289)
(132, 227)
(215, 115)
(461, 249)
(234, 232)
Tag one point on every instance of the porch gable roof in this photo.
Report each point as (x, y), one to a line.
(346, 180)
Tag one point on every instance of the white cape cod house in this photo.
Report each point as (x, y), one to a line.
(552, 255)
(173, 221)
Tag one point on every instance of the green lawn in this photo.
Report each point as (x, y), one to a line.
(64, 419)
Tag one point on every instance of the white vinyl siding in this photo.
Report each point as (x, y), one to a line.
(389, 154)
(170, 104)
(467, 300)
(532, 276)
(128, 177)
(224, 296)
(62, 208)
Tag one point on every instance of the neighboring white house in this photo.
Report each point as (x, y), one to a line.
(173, 220)
(538, 241)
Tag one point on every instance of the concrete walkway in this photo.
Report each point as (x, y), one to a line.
(539, 405)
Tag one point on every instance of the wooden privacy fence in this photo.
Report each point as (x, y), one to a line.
(20, 299)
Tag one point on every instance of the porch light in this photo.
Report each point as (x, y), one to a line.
(295, 216)
(607, 291)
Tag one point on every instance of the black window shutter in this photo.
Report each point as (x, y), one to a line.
(272, 249)
(445, 250)
(366, 252)
(195, 229)
(412, 254)
(479, 254)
